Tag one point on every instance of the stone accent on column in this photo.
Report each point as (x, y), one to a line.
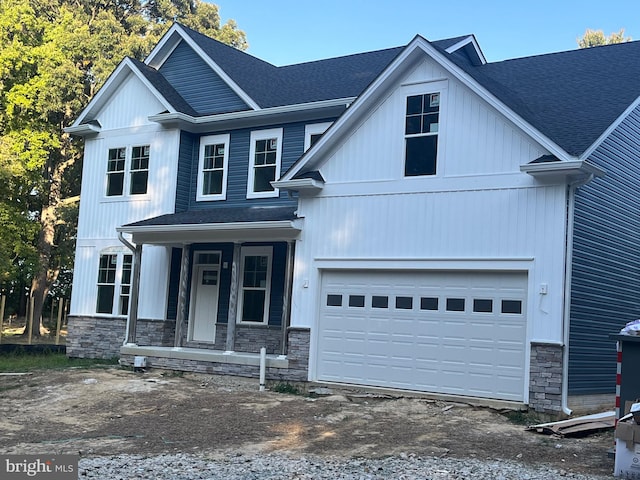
(545, 378)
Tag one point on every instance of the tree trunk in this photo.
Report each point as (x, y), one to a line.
(45, 275)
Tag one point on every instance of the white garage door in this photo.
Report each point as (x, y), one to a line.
(460, 333)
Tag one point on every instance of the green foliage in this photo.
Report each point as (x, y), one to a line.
(285, 387)
(22, 361)
(54, 56)
(595, 38)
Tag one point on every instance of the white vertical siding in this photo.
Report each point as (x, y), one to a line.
(124, 124)
(478, 212)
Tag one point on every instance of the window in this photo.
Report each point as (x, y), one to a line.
(422, 119)
(482, 305)
(255, 285)
(512, 306)
(114, 274)
(356, 301)
(334, 300)
(213, 167)
(136, 160)
(404, 303)
(115, 171)
(313, 132)
(139, 170)
(455, 304)
(429, 303)
(264, 163)
(379, 301)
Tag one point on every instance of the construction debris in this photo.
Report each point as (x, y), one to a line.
(577, 426)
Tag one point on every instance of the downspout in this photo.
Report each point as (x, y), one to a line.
(130, 246)
(568, 267)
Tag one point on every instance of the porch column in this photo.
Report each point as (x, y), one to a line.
(181, 314)
(135, 295)
(233, 300)
(286, 296)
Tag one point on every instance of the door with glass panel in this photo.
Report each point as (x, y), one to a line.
(204, 297)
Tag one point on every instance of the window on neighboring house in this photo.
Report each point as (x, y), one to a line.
(213, 166)
(136, 161)
(114, 274)
(313, 132)
(421, 134)
(115, 171)
(139, 170)
(264, 163)
(255, 285)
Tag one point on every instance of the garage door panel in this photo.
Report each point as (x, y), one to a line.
(448, 332)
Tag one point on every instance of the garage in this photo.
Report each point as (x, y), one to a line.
(460, 333)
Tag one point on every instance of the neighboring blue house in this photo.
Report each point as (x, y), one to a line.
(462, 228)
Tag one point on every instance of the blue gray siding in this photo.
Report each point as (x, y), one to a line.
(201, 87)
(185, 188)
(606, 261)
(174, 283)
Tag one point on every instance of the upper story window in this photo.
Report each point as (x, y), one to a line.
(422, 119)
(136, 160)
(313, 132)
(213, 166)
(264, 163)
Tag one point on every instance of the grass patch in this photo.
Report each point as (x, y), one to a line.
(18, 361)
(285, 387)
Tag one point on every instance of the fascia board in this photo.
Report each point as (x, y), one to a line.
(81, 130)
(158, 58)
(615, 124)
(571, 167)
(388, 75)
(118, 76)
(298, 184)
(463, 43)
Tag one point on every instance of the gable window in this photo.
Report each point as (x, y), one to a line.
(136, 161)
(264, 163)
(114, 274)
(313, 132)
(139, 170)
(213, 167)
(115, 171)
(255, 291)
(422, 119)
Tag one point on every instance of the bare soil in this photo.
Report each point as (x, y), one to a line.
(112, 411)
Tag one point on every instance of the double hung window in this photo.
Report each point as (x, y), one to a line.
(264, 163)
(213, 167)
(255, 285)
(422, 119)
(135, 160)
(114, 275)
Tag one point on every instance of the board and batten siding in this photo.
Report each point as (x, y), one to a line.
(605, 292)
(198, 84)
(125, 123)
(478, 213)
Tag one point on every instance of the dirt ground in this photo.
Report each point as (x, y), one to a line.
(112, 411)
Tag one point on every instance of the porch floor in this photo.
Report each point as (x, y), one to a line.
(204, 355)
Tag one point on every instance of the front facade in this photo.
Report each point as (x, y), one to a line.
(435, 236)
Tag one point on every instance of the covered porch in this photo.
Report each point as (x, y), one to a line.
(229, 291)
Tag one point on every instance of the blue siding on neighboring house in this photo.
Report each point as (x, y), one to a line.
(292, 149)
(185, 188)
(198, 84)
(606, 261)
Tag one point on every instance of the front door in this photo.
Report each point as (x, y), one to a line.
(204, 303)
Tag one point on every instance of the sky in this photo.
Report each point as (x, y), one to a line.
(284, 32)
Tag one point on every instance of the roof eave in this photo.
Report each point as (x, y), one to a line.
(567, 170)
(83, 130)
(300, 184)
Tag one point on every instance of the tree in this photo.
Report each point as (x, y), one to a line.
(54, 55)
(595, 38)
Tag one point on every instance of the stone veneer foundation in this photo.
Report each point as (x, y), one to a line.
(545, 378)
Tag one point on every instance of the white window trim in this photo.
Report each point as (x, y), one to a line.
(117, 285)
(314, 129)
(422, 88)
(211, 140)
(263, 135)
(251, 251)
(126, 194)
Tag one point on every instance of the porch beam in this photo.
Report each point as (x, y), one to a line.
(181, 314)
(233, 300)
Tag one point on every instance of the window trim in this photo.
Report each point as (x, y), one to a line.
(256, 136)
(213, 140)
(126, 172)
(314, 129)
(250, 252)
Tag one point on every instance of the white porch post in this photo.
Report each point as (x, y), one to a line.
(181, 314)
(135, 295)
(233, 300)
